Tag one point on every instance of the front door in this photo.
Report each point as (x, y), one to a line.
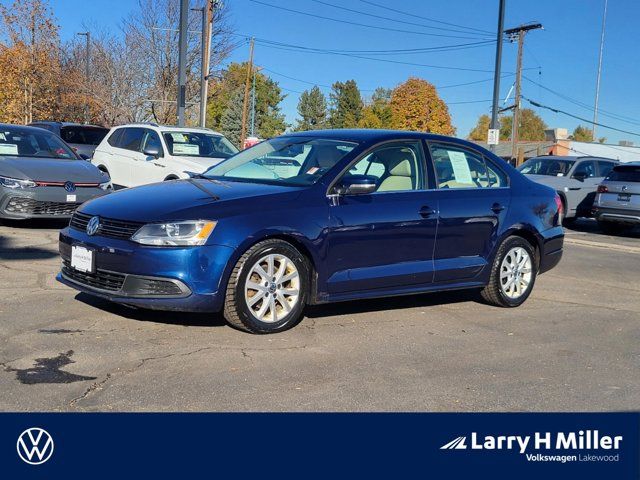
(473, 198)
(384, 239)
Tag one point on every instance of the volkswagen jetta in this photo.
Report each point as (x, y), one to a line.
(317, 217)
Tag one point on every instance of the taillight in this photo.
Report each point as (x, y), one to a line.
(560, 208)
(603, 189)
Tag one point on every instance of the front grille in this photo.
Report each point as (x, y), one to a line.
(108, 227)
(30, 206)
(100, 279)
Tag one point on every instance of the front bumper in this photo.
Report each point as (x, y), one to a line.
(44, 202)
(619, 215)
(551, 249)
(181, 279)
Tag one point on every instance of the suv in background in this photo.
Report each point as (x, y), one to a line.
(138, 154)
(576, 179)
(617, 204)
(82, 138)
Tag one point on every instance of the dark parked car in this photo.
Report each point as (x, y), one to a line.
(617, 205)
(82, 138)
(40, 176)
(359, 214)
(574, 178)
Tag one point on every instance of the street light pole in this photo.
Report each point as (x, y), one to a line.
(595, 108)
(205, 54)
(87, 74)
(496, 75)
(182, 61)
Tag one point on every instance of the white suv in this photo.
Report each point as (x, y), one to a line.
(137, 154)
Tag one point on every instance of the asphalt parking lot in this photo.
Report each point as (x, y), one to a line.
(575, 345)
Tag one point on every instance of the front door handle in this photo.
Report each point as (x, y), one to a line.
(497, 208)
(426, 212)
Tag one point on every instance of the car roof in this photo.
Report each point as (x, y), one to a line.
(169, 128)
(24, 128)
(571, 158)
(367, 135)
(67, 124)
(628, 164)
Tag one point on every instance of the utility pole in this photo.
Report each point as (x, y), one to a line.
(182, 61)
(252, 130)
(87, 73)
(205, 55)
(245, 104)
(595, 108)
(519, 33)
(496, 76)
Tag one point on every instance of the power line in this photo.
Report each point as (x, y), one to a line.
(359, 12)
(377, 27)
(415, 15)
(555, 110)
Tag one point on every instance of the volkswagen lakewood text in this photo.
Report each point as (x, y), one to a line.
(316, 217)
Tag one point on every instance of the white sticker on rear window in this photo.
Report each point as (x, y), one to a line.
(460, 166)
(8, 149)
(186, 149)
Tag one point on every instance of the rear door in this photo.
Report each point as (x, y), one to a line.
(125, 155)
(582, 186)
(473, 197)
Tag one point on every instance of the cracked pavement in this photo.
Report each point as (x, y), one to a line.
(575, 345)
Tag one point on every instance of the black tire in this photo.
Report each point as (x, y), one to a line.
(170, 177)
(236, 310)
(493, 293)
(569, 222)
(612, 228)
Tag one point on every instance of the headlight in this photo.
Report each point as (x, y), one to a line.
(15, 183)
(174, 234)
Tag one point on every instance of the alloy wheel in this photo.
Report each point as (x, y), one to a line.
(516, 273)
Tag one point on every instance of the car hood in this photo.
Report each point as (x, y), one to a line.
(187, 199)
(50, 170)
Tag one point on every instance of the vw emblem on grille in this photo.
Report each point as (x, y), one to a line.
(70, 186)
(35, 446)
(624, 188)
(93, 225)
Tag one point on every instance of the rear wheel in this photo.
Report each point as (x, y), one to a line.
(268, 288)
(513, 274)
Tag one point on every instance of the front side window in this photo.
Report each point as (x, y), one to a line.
(284, 160)
(199, 144)
(83, 135)
(21, 142)
(395, 167)
(457, 167)
(586, 169)
(131, 139)
(553, 167)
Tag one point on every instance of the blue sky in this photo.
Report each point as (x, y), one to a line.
(562, 57)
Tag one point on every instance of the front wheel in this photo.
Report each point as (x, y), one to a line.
(513, 274)
(268, 288)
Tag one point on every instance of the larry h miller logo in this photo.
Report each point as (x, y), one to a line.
(581, 446)
(35, 446)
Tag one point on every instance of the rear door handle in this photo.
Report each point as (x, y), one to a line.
(426, 212)
(497, 208)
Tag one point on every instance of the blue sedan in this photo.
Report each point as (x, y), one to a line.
(316, 217)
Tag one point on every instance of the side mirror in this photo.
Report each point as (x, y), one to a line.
(357, 185)
(151, 151)
(580, 176)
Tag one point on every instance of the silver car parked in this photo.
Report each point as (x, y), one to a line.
(617, 204)
(576, 179)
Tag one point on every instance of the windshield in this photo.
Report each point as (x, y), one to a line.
(199, 144)
(284, 160)
(546, 166)
(23, 142)
(83, 135)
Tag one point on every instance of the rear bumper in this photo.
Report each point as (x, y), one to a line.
(619, 215)
(551, 249)
(181, 279)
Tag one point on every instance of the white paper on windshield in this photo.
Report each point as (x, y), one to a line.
(460, 167)
(179, 137)
(8, 149)
(2, 137)
(186, 149)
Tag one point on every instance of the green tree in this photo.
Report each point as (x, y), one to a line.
(415, 105)
(377, 114)
(531, 127)
(224, 95)
(346, 105)
(312, 108)
(582, 134)
(231, 120)
(481, 130)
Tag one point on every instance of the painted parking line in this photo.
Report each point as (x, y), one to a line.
(606, 246)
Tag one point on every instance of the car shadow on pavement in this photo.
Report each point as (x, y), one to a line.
(589, 225)
(187, 319)
(391, 303)
(10, 251)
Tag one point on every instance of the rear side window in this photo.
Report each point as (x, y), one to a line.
(586, 169)
(131, 139)
(624, 174)
(458, 167)
(83, 135)
(605, 168)
(114, 138)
